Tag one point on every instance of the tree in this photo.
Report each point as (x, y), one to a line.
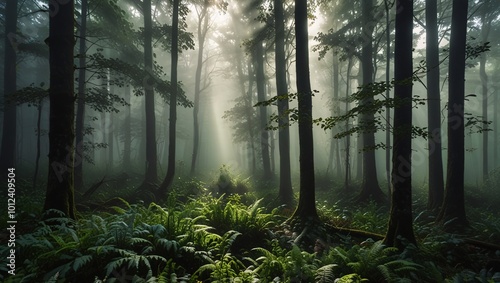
(8, 149)
(370, 188)
(306, 207)
(387, 94)
(285, 190)
(203, 17)
(453, 209)
(151, 175)
(488, 14)
(80, 111)
(260, 78)
(60, 181)
(400, 230)
(436, 182)
(173, 101)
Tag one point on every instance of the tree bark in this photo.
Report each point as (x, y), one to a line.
(370, 189)
(38, 141)
(169, 178)
(261, 95)
(250, 116)
(347, 178)
(387, 95)
(453, 209)
(151, 175)
(80, 110)
(285, 190)
(306, 208)
(127, 135)
(400, 228)
(60, 181)
(485, 30)
(9, 136)
(436, 181)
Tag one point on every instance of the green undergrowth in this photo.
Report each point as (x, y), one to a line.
(200, 234)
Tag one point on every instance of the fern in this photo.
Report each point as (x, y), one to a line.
(325, 274)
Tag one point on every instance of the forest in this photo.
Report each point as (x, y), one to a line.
(250, 141)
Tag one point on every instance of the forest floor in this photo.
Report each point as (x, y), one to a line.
(198, 235)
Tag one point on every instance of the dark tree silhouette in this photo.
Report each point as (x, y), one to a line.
(151, 175)
(8, 149)
(436, 182)
(80, 111)
(453, 209)
(306, 207)
(173, 102)
(285, 190)
(400, 230)
(60, 181)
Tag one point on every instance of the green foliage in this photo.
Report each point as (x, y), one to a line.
(137, 77)
(224, 239)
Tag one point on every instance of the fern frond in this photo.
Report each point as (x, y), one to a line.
(325, 274)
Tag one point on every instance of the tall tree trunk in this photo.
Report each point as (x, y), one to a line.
(173, 102)
(370, 188)
(306, 207)
(111, 149)
(38, 141)
(496, 144)
(285, 190)
(127, 135)
(60, 181)
(453, 209)
(347, 178)
(250, 116)
(400, 229)
(202, 32)
(335, 106)
(485, 30)
(151, 175)
(261, 94)
(436, 181)
(387, 95)
(80, 110)
(8, 149)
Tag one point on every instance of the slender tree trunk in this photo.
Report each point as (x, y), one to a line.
(80, 110)
(496, 144)
(261, 94)
(60, 181)
(336, 86)
(38, 141)
(400, 228)
(173, 102)
(485, 30)
(151, 154)
(369, 187)
(307, 207)
(110, 143)
(202, 32)
(387, 95)
(347, 179)
(250, 117)
(9, 136)
(436, 181)
(453, 209)
(127, 135)
(285, 190)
